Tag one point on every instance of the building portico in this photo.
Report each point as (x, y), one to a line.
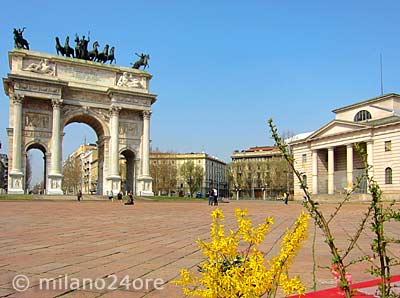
(329, 156)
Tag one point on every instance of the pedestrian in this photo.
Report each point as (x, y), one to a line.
(131, 201)
(210, 198)
(215, 194)
(119, 196)
(285, 198)
(79, 195)
(111, 195)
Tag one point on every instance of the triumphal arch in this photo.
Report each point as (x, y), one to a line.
(48, 92)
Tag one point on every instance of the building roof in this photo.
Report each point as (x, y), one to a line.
(368, 101)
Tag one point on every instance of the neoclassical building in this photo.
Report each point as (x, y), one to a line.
(214, 170)
(48, 92)
(328, 159)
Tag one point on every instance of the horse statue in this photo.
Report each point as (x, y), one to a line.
(19, 41)
(143, 61)
(59, 48)
(68, 50)
(103, 56)
(110, 56)
(93, 54)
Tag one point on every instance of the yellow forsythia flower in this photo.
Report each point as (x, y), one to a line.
(229, 272)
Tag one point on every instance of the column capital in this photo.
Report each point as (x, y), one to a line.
(114, 110)
(146, 114)
(56, 103)
(17, 98)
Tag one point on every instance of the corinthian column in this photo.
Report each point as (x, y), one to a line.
(114, 156)
(16, 175)
(55, 176)
(146, 143)
(114, 179)
(314, 172)
(145, 187)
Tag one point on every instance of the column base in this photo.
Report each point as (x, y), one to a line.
(55, 181)
(15, 183)
(145, 186)
(114, 184)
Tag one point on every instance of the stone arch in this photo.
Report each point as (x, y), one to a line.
(93, 120)
(127, 168)
(42, 146)
(101, 128)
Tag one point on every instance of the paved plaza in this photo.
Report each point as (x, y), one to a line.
(152, 240)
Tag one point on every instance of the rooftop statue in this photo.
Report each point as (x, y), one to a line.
(143, 61)
(19, 41)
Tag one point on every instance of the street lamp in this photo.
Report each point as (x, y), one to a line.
(237, 189)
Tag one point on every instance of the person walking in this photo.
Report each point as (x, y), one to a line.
(111, 195)
(286, 198)
(210, 197)
(215, 194)
(119, 196)
(79, 195)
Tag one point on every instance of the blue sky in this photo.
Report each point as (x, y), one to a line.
(222, 68)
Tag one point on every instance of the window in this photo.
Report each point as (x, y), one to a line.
(362, 115)
(304, 158)
(388, 176)
(388, 145)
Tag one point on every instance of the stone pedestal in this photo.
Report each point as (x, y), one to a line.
(55, 181)
(114, 184)
(145, 186)
(15, 183)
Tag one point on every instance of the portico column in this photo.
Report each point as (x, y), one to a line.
(55, 175)
(315, 172)
(349, 167)
(114, 178)
(331, 170)
(370, 158)
(146, 143)
(16, 174)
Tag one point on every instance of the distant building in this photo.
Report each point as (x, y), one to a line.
(328, 159)
(260, 172)
(85, 158)
(214, 171)
(3, 173)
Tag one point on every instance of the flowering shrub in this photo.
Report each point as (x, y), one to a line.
(230, 272)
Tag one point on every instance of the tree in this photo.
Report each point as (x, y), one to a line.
(72, 175)
(164, 175)
(28, 171)
(193, 176)
(38, 188)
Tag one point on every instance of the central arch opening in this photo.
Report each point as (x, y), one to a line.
(83, 158)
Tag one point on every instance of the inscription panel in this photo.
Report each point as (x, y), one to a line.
(78, 73)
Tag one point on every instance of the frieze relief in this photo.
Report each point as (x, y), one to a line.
(36, 134)
(36, 120)
(41, 67)
(129, 129)
(129, 114)
(37, 106)
(129, 80)
(37, 88)
(133, 100)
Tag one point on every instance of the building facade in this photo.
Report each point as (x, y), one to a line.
(331, 160)
(214, 171)
(259, 172)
